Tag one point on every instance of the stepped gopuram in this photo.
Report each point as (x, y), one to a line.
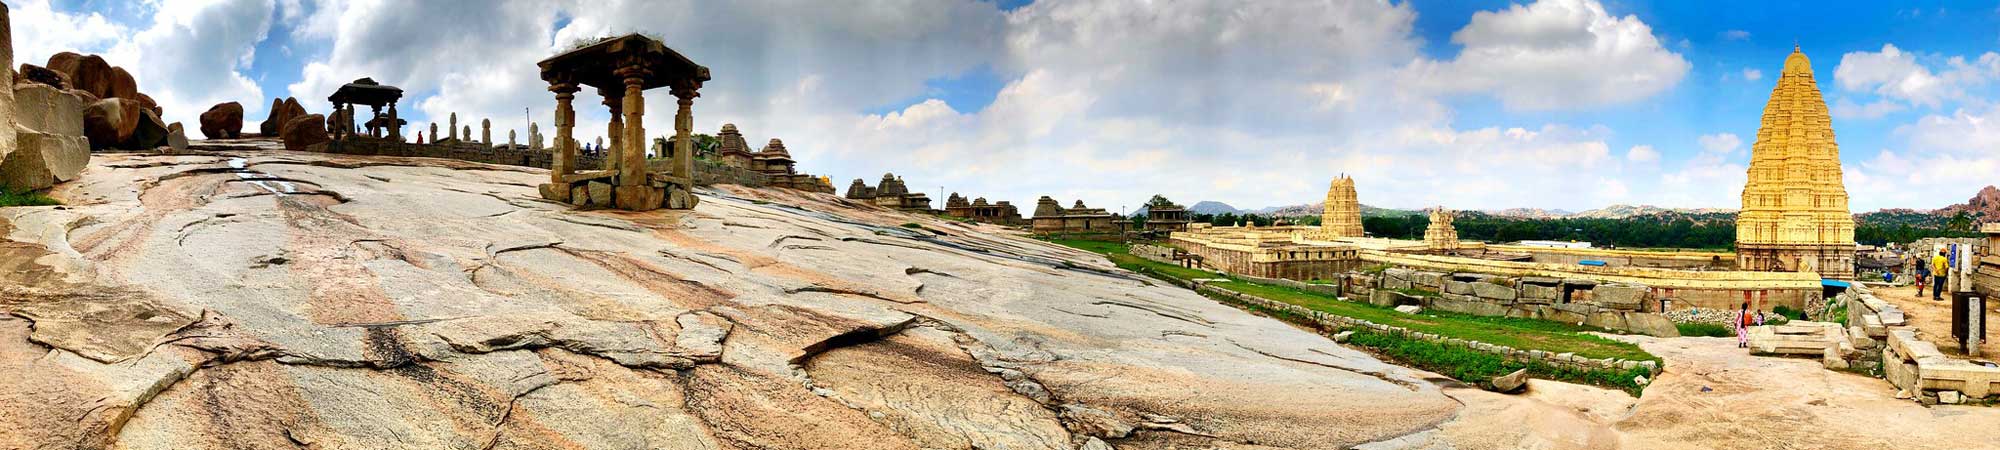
(1052, 218)
(978, 210)
(890, 193)
(622, 69)
(1441, 237)
(1795, 216)
(1342, 215)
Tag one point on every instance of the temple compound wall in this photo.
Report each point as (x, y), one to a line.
(1270, 252)
(1672, 289)
(1609, 305)
(978, 210)
(1625, 258)
(1052, 218)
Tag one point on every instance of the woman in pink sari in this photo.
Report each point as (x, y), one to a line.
(1743, 320)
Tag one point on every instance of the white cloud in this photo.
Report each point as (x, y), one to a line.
(1643, 154)
(41, 31)
(194, 54)
(1720, 143)
(1753, 74)
(1847, 109)
(1897, 74)
(1555, 54)
(1736, 35)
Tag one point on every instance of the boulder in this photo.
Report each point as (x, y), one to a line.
(146, 102)
(110, 122)
(282, 113)
(177, 137)
(47, 109)
(1651, 324)
(1509, 383)
(86, 72)
(84, 96)
(123, 85)
(39, 160)
(600, 194)
(148, 132)
(304, 131)
(43, 75)
(1609, 320)
(223, 121)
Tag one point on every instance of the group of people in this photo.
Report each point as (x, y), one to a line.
(1931, 273)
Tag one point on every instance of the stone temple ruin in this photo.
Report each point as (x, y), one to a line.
(978, 210)
(1441, 235)
(1052, 218)
(890, 193)
(1795, 216)
(366, 91)
(622, 69)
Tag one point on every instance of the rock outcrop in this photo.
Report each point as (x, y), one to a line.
(304, 131)
(110, 122)
(31, 73)
(223, 121)
(282, 113)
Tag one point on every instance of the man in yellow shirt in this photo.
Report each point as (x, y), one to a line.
(1939, 267)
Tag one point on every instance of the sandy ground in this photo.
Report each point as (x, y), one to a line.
(1933, 319)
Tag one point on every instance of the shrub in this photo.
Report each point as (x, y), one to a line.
(1375, 269)
(1705, 329)
(1788, 313)
(23, 197)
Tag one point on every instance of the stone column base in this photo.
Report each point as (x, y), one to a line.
(600, 194)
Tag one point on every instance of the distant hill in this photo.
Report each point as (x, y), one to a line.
(1983, 207)
(1624, 211)
(1209, 207)
(1530, 213)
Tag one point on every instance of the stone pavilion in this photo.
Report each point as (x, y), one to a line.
(622, 69)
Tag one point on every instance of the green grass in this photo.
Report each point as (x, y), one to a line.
(1473, 366)
(1526, 334)
(1705, 329)
(11, 197)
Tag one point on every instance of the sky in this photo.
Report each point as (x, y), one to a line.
(1557, 104)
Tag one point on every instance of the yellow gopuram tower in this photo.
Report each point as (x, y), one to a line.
(1342, 214)
(1795, 216)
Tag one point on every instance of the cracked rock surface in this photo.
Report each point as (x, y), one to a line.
(271, 299)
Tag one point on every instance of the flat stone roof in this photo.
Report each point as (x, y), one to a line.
(596, 65)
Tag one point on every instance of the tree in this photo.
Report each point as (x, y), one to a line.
(1159, 200)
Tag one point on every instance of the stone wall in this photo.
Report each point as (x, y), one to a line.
(1155, 253)
(1611, 306)
(1626, 258)
(1332, 289)
(1726, 290)
(1328, 323)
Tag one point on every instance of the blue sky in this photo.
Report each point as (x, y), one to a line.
(1570, 104)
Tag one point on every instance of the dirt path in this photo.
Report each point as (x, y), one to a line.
(1933, 318)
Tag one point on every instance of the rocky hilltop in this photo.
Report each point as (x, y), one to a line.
(276, 299)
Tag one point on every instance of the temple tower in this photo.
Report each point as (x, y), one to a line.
(1441, 235)
(1342, 217)
(1795, 215)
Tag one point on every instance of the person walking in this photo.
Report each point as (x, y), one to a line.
(1940, 266)
(1743, 322)
(1923, 269)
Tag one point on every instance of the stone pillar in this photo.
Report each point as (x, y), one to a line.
(613, 99)
(534, 136)
(434, 132)
(466, 133)
(510, 139)
(565, 158)
(633, 168)
(395, 125)
(683, 164)
(486, 131)
(373, 131)
(453, 129)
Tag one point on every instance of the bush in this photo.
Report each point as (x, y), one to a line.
(1705, 329)
(12, 197)
(1788, 313)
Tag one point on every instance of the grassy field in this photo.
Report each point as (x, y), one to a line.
(1464, 364)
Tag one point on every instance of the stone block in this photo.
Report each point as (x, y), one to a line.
(1541, 281)
(1527, 311)
(1609, 320)
(40, 160)
(1409, 309)
(45, 109)
(1494, 291)
(1395, 283)
(1429, 280)
(1537, 293)
(1568, 312)
(1457, 287)
(1651, 324)
(1397, 273)
(1466, 304)
(1625, 297)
